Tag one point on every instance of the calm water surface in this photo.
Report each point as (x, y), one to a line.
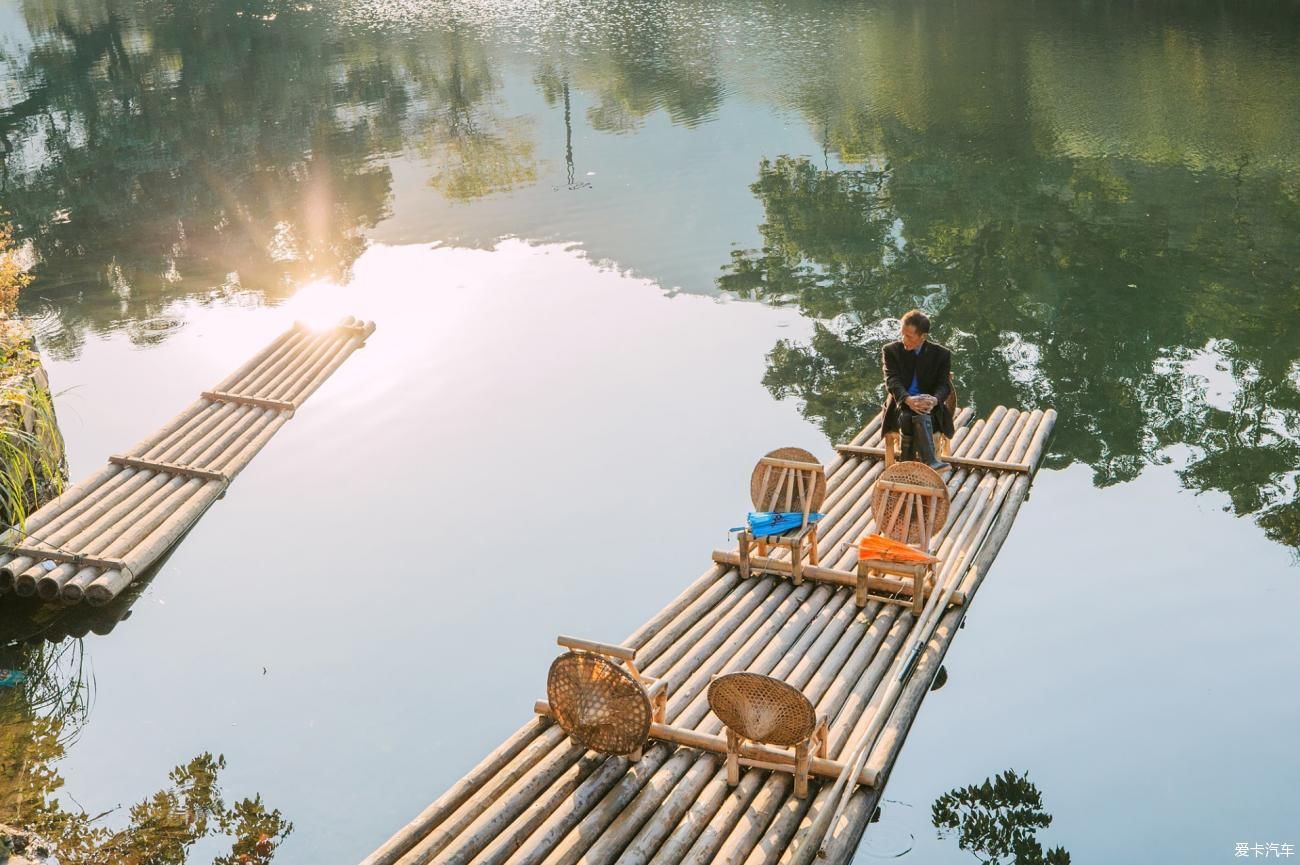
(616, 251)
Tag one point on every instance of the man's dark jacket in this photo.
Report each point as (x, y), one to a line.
(933, 368)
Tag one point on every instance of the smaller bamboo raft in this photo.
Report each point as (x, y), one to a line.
(92, 541)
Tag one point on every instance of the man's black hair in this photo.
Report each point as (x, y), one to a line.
(918, 320)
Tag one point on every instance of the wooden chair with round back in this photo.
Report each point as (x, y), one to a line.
(601, 700)
(758, 708)
(791, 480)
(909, 502)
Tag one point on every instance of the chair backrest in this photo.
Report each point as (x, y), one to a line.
(762, 709)
(599, 703)
(789, 480)
(910, 503)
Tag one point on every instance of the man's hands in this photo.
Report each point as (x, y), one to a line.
(922, 403)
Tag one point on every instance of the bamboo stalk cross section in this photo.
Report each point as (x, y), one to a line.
(96, 538)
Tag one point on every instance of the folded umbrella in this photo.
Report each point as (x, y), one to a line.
(881, 547)
(766, 523)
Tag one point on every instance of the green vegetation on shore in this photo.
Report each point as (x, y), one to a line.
(31, 448)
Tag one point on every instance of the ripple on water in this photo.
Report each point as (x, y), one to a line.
(151, 331)
(892, 836)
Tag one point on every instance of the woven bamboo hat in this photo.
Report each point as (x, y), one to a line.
(883, 500)
(762, 709)
(598, 703)
(760, 493)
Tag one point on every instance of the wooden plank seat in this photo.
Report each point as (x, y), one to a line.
(791, 480)
(758, 708)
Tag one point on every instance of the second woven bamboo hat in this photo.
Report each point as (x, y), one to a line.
(762, 709)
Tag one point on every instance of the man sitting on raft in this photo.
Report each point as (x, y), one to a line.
(916, 377)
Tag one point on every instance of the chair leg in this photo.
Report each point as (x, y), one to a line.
(813, 558)
(744, 555)
(918, 591)
(941, 445)
(733, 758)
(660, 712)
(796, 561)
(861, 593)
(890, 442)
(802, 761)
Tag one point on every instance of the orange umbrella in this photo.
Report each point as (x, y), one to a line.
(881, 547)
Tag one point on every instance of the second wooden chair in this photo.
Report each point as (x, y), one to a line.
(789, 480)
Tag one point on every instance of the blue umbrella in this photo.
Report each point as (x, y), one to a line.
(764, 523)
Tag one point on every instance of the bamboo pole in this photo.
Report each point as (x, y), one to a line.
(115, 533)
(70, 497)
(263, 382)
(157, 534)
(829, 814)
(539, 843)
(763, 656)
(683, 711)
(964, 462)
(771, 658)
(759, 606)
(114, 485)
(383, 856)
(160, 531)
(733, 831)
(828, 575)
(997, 530)
(831, 665)
(749, 827)
(115, 514)
(654, 669)
(864, 802)
(841, 846)
(685, 606)
(300, 394)
(748, 835)
(144, 499)
(850, 461)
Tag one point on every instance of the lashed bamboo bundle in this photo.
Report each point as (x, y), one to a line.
(101, 534)
(540, 799)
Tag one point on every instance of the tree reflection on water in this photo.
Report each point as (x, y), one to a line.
(41, 717)
(1126, 254)
(998, 821)
(1140, 276)
(162, 150)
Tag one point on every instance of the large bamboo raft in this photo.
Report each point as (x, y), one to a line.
(539, 799)
(100, 535)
